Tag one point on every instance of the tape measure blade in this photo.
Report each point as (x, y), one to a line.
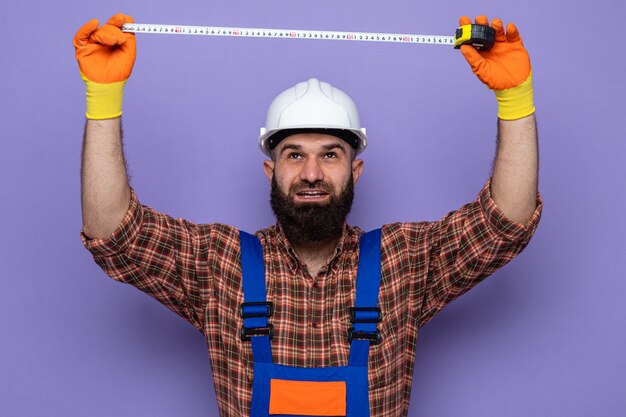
(287, 33)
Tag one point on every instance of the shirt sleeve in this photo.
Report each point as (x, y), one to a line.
(156, 254)
(468, 245)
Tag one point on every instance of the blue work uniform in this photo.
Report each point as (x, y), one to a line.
(332, 391)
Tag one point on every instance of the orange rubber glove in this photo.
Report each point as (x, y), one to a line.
(505, 69)
(105, 58)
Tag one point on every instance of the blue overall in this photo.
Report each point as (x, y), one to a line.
(364, 317)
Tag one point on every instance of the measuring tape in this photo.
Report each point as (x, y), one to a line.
(480, 36)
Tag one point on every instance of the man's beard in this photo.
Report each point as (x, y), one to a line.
(312, 222)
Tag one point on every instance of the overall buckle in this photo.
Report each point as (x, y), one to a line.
(371, 315)
(373, 337)
(256, 309)
(365, 315)
(247, 332)
(251, 310)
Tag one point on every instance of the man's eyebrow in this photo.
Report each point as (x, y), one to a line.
(292, 146)
(333, 146)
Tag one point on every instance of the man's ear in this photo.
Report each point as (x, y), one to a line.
(268, 168)
(357, 169)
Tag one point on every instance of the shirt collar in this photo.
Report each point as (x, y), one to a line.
(345, 242)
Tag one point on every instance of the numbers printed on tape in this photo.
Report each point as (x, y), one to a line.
(287, 34)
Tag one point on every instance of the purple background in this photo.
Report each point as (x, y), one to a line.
(544, 336)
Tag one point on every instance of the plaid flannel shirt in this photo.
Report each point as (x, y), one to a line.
(194, 270)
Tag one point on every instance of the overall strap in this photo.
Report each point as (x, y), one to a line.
(366, 314)
(255, 310)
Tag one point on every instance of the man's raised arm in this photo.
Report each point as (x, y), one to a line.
(506, 70)
(104, 184)
(515, 171)
(105, 57)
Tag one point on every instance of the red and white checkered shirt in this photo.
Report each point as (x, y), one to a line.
(194, 270)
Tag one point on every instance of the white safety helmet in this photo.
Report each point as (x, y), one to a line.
(312, 106)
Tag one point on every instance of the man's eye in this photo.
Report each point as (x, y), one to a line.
(294, 155)
(330, 155)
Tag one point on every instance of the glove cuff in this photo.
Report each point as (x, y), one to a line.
(104, 101)
(517, 102)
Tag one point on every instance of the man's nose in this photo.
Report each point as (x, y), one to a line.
(312, 171)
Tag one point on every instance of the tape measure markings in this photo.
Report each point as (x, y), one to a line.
(287, 34)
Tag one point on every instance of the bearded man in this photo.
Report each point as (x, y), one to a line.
(310, 316)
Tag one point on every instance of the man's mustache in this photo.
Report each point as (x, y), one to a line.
(311, 186)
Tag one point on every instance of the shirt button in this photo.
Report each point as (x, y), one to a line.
(314, 325)
(316, 285)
